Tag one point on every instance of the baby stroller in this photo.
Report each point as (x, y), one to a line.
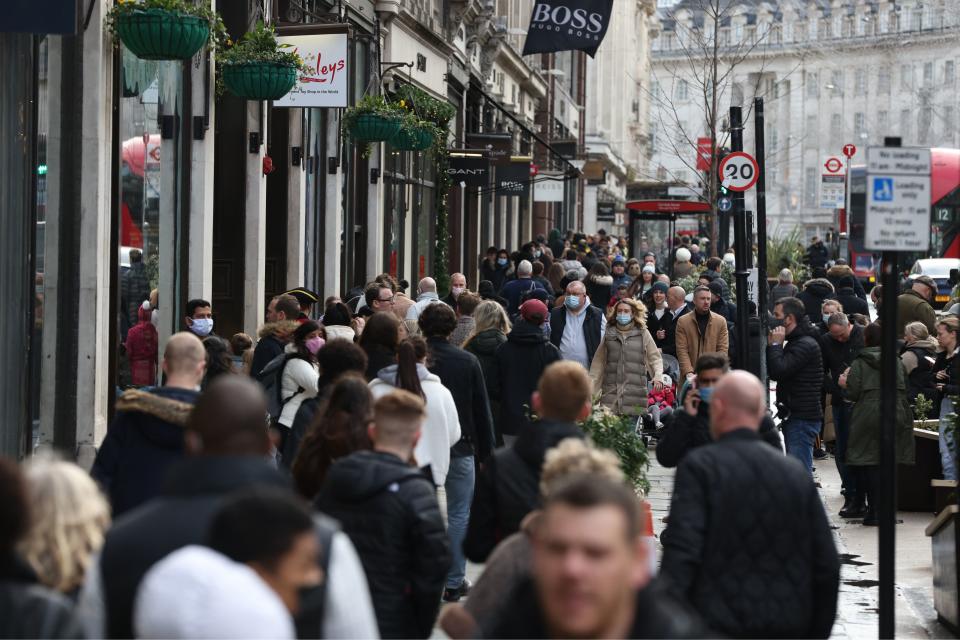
(650, 423)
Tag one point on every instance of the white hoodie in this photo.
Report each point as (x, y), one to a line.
(441, 429)
(297, 374)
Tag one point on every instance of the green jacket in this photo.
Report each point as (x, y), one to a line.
(912, 307)
(863, 389)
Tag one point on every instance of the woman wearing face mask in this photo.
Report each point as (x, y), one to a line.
(300, 376)
(626, 360)
(498, 270)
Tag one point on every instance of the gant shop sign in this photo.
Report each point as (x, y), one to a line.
(471, 171)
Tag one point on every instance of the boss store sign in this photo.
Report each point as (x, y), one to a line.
(563, 25)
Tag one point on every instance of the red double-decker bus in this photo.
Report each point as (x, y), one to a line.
(944, 214)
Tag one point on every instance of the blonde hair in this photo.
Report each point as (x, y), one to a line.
(574, 455)
(69, 517)
(489, 314)
(639, 312)
(917, 330)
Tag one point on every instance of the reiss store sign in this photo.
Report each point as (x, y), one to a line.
(327, 83)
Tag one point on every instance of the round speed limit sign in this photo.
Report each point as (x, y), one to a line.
(739, 171)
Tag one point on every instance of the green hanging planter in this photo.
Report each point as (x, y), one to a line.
(259, 80)
(158, 34)
(370, 127)
(412, 139)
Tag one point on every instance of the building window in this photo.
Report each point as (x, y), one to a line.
(655, 89)
(683, 90)
(813, 89)
(859, 126)
(810, 187)
(949, 73)
(916, 20)
(738, 32)
(949, 122)
(836, 126)
(736, 96)
(923, 125)
(811, 132)
(927, 74)
(836, 81)
(905, 117)
(812, 24)
(860, 83)
(774, 141)
(751, 34)
(883, 82)
(883, 121)
(788, 32)
(906, 77)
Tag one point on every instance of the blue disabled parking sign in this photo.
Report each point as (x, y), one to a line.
(883, 189)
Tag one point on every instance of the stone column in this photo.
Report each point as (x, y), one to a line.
(255, 224)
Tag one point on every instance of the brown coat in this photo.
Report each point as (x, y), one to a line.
(691, 345)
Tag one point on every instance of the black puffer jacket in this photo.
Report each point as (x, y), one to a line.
(508, 487)
(749, 544)
(683, 433)
(389, 510)
(852, 303)
(951, 385)
(28, 610)
(814, 293)
(797, 366)
(484, 345)
(520, 362)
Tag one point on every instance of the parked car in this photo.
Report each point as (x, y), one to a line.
(939, 270)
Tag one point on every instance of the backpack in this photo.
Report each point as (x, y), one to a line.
(271, 377)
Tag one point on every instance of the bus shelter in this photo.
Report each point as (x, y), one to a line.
(653, 225)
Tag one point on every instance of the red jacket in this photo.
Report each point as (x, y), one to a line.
(142, 344)
(663, 399)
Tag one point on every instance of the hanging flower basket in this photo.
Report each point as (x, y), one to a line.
(373, 127)
(412, 139)
(259, 80)
(158, 34)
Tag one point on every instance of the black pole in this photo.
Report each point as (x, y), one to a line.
(762, 290)
(886, 481)
(741, 250)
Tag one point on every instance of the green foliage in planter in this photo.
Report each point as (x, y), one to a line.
(258, 67)
(618, 434)
(414, 134)
(157, 16)
(787, 252)
(689, 283)
(367, 106)
(922, 407)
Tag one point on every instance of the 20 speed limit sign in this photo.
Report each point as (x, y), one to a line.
(739, 171)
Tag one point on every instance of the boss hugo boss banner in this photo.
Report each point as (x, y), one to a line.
(562, 25)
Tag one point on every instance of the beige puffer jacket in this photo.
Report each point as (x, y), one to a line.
(622, 366)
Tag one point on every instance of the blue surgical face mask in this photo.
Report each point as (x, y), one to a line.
(502, 262)
(705, 393)
(624, 319)
(826, 317)
(202, 326)
(572, 302)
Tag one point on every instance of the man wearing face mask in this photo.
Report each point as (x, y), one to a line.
(458, 284)
(795, 361)
(689, 428)
(576, 327)
(199, 318)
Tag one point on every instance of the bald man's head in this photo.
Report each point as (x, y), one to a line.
(184, 360)
(229, 419)
(676, 296)
(737, 403)
(427, 285)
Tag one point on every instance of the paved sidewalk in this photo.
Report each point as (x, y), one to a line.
(857, 615)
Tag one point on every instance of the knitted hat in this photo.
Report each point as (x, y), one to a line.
(661, 287)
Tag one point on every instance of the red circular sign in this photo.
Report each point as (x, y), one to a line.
(833, 165)
(739, 171)
(849, 150)
(534, 169)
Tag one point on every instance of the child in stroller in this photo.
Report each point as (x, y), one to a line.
(660, 404)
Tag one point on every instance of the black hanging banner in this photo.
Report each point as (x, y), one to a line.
(472, 171)
(513, 179)
(564, 25)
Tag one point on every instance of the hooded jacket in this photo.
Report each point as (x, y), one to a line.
(851, 302)
(145, 438)
(340, 332)
(390, 512)
(520, 363)
(912, 307)
(916, 359)
(273, 338)
(814, 293)
(797, 366)
(508, 486)
(863, 389)
(141, 346)
(440, 431)
(299, 380)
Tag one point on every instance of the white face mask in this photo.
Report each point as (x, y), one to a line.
(202, 326)
(456, 291)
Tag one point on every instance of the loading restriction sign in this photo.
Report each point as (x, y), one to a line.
(739, 171)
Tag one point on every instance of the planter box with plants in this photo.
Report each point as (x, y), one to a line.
(164, 29)
(258, 67)
(372, 119)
